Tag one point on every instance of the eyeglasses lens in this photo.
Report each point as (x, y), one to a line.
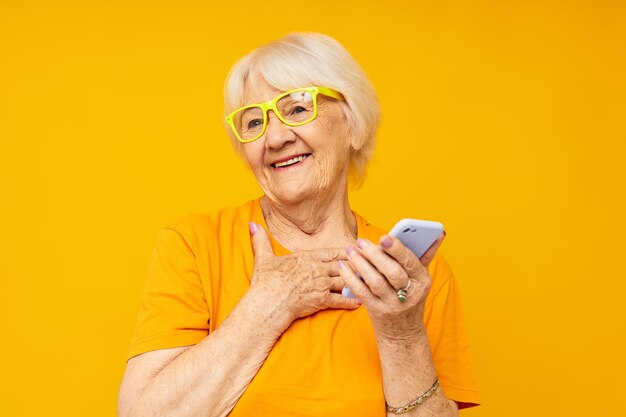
(249, 122)
(297, 107)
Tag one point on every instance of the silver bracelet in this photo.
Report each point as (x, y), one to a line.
(416, 403)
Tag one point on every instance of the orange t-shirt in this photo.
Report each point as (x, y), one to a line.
(326, 364)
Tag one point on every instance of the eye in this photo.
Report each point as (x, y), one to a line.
(298, 109)
(254, 123)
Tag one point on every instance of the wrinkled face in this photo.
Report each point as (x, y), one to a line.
(295, 163)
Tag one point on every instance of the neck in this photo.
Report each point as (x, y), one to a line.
(322, 221)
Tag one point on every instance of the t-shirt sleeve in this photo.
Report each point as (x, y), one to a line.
(173, 310)
(447, 337)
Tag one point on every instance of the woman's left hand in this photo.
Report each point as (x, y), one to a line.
(385, 269)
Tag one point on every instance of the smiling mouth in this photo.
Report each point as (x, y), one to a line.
(290, 162)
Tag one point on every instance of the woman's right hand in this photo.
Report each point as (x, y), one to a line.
(299, 284)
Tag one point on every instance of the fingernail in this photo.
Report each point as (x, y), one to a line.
(253, 228)
(350, 250)
(386, 242)
(362, 243)
(340, 265)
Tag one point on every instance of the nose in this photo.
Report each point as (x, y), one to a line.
(277, 134)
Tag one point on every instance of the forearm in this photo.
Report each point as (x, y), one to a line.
(208, 379)
(408, 372)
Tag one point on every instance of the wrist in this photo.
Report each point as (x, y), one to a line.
(400, 334)
(407, 325)
(405, 347)
(412, 347)
(271, 316)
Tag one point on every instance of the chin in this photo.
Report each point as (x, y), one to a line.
(293, 192)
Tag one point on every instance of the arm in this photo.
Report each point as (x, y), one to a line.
(408, 372)
(191, 381)
(406, 361)
(209, 378)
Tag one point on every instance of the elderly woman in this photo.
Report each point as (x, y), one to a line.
(242, 312)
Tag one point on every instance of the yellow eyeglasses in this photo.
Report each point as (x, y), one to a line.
(293, 108)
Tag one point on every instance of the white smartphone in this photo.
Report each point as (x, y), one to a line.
(417, 235)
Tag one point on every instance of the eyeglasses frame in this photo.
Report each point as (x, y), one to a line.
(271, 105)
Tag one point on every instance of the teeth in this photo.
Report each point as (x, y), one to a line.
(290, 161)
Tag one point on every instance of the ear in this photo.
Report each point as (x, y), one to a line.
(356, 141)
(349, 129)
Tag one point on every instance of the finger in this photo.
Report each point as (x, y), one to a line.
(339, 301)
(331, 268)
(405, 257)
(428, 256)
(328, 254)
(385, 264)
(376, 282)
(357, 286)
(260, 242)
(336, 284)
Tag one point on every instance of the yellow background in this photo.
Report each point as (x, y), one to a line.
(504, 121)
